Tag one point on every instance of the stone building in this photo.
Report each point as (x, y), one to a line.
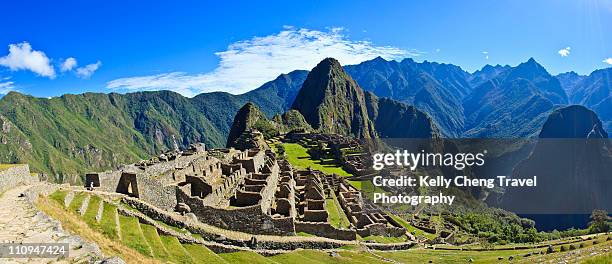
(248, 190)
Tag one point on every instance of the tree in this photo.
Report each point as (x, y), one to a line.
(599, 221)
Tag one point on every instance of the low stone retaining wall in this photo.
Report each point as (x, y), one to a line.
(325, 230)
(16, 175)
(266, 245)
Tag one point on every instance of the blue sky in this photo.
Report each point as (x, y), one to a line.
(193, 47)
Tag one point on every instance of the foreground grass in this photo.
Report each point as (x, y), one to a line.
(176, 250)
(6, 166)
(108, 225)
(298, 156)
(152, 237)
(314, 256)
(77, 201)
(132, 236)
(247, 257)
(73, 223)
(603, 259)
(447, 256)
(203, 255)
(144, 238)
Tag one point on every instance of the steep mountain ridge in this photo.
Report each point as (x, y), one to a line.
(332, 102)
(515, 103)
(437, 89)
(593, 91)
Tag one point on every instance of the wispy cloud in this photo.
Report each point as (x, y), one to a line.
(6, 85)
(486, 53)
(247, 64)
(564, 52)
(22, 57)
(86, 71)
(608, 61)
(68, 64)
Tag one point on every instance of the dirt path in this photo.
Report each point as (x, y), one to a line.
(21, 222)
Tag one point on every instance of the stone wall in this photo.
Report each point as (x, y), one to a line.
(155, 193)
(325, 230)
(16, 175)
(250, 219)
(379, 229)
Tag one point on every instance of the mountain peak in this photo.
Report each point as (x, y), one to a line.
(331, 101)
(574, 121)
(245, 119)
(327, 64)
(380, 59)
(532, 65)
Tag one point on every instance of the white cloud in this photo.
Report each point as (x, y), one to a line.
(608, 61)
(68, 64)
(247, 64)
(564, 52)
(6, 85)
(86, 71)
(22, 57)
(486, 53)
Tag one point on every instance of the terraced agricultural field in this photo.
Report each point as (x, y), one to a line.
(298, 156)
(142, 243)
(143, 238)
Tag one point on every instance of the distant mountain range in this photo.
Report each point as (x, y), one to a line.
(71, 134)
(593, 91)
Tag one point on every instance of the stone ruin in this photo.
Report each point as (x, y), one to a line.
(247, 190)
(350, 152)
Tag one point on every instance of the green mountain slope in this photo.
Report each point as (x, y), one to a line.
(332, 102)
(64, 137)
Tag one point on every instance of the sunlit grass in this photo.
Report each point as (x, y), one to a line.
(298, 156)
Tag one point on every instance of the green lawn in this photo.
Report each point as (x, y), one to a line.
(108, 224)
(132, 236)
(298, 156)
(202, 254)
(153, 239)
(246, 257)
(92, 211)
(411, 229)
(59, 196)
(316, 257)
(335, 214)
(145, 239)
(385, 240)
(77, 201)
(176, 250)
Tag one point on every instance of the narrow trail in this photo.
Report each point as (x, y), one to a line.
(21, 222)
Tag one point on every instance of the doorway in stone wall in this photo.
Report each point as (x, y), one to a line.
(128, 184)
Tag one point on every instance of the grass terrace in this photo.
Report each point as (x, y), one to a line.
(298, 156)
(137, 242)
(336, 216)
